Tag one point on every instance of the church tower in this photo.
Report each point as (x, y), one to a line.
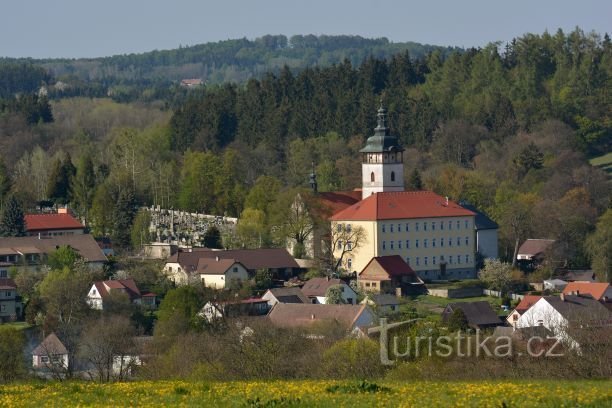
(382, 160)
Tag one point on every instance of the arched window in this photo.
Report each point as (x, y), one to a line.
(392, 176)
(372, 177)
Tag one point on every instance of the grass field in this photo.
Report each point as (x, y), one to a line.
(434, 305)
(604, 162)
(312, 394)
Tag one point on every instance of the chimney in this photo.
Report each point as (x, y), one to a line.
(446, 201)
(327, 277)
(217, 258)
(562, 296)
(39, 236)
(312, 316)
(577, 293)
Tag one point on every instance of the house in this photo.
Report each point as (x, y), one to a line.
(434, 235)
(556, 285)
(305, 315)
(10, 302)
(56, 224)
(4, 269)
(159, 250)
(181, 266)
(217, 273)
(124, 365)
(285, 295)
(31, 252)
(192, 82)
(316, 290)
(102, 291)
(51, 353)
(531, 252)
(388, 274)
(566, 316)
(575, 275)
(598, 291)
(383, 303)
(521, 308)
(218, 310)
(106, 245)
(486, 232)
(479, 315)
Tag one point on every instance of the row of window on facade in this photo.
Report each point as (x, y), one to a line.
(373, 178)
(450, 260)
(426, 226)
(434, 243)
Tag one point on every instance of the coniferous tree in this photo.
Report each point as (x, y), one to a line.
(83, 185)
(125, 211)
(12, 222)
(415, 182)
(5, 183)
(212, 238)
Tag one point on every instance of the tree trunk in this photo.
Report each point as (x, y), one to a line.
(516, 248)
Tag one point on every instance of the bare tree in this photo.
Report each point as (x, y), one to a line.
(344, 239)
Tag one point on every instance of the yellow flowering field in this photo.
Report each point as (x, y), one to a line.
(310, 394)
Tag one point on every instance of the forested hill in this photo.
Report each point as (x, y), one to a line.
(232, 60)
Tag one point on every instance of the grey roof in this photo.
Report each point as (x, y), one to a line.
(384, 299)
(305, 314)
(50, 345)
(252, 259)
(579, 308)
(570, 275)
(318, 286)
(481, 221)
(382, 141)
(84, 244)
(289, 295)
(477, 313)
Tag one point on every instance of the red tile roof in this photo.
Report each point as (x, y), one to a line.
(43, 222)
(127, 285)
(527, 302)
(394, 265)
(336, 201)
(7, 283)
(401, 205)
(596, 290)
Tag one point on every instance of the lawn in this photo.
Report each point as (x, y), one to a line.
(604, 162)
(17, 325)
(427, 304)
(324, 393)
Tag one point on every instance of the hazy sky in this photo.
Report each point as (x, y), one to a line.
(91, 28)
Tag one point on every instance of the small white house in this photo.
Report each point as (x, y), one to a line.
(316, 290)
(562, 314)
(101, 291)
(219, 273)
(554, 284)
(51, 353)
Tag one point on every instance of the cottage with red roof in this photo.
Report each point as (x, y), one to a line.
(61, 223)
(388, 274)
(598, 291)
(102, 291)
(521, 308)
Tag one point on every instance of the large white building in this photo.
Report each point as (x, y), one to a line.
(433, 234)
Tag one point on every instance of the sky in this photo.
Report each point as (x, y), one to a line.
(95, 28)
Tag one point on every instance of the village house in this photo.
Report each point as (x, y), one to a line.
(598, 291)
(304, 315)
(55, 224)
(526, 302)
(219, 310)
(285, 295)
(531, 252)
(31, 252)
(316, 290)
(102, 291)
(555, 285)
(479, 315)
(51, 353)
(182, 267)
(565, 316)
(383, 303)
(10, 302)
(389, 274)
(486, 233)
(216, 273)
(575, 275)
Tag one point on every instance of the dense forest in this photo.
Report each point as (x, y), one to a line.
(508, 127)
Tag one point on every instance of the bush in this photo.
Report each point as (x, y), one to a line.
(12, 342)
